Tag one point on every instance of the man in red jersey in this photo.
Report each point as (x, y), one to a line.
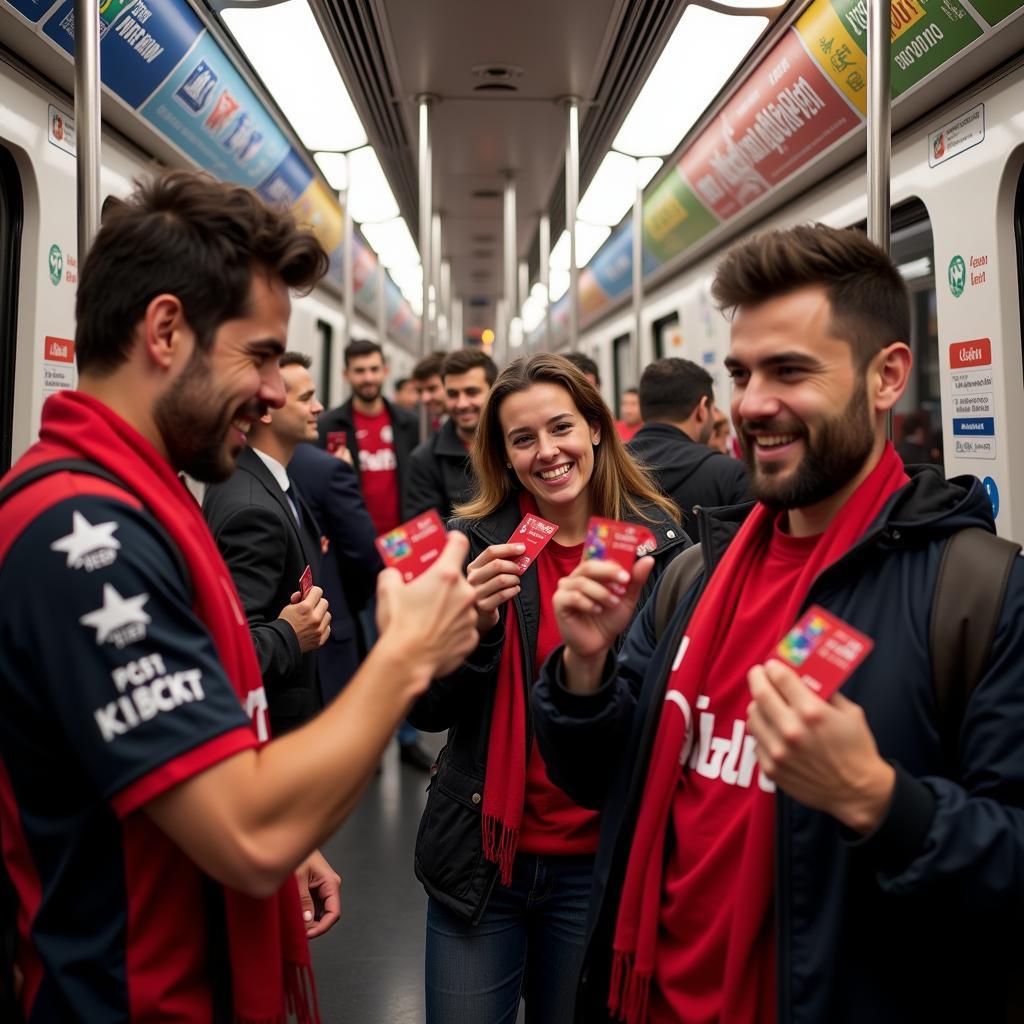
(768, 854)
(151, 826)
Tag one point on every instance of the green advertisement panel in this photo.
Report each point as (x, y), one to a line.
(674, 218)
(925, 34)
(995, 11)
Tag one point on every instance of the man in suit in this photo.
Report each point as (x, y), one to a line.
(349, 569)
(677, 405)
(380, 436)
(440, 474)
(267, 536)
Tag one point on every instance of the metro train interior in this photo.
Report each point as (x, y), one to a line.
(442, 151)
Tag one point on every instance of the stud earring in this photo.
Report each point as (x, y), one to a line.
(508, 465)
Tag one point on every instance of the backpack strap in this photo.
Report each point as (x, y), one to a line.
(969, 593)
(680, 575)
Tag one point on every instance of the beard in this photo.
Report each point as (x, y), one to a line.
(832, 457)
(193, 424)
(368, 391)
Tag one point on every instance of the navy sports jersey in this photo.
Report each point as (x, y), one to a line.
(112, 692)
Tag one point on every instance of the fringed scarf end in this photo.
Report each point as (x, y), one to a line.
(500, 843)
(300, 993)
(629, 995)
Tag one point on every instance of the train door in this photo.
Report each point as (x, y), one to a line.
(10, 252)
(623, 367)
(1018, 233)
(665, 333)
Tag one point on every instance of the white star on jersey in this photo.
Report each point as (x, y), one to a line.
(85, 539)
(116, 613)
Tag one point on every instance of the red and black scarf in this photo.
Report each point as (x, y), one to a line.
(269, 954)
(636, 927)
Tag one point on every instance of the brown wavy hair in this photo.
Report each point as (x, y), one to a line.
(618, 487)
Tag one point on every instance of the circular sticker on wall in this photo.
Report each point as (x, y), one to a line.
(993, 494)
(957, 276)
(56, 264)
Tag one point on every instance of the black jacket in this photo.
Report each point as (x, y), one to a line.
(348, 572)
(449, 850)
(920, 921)
(253, 525)
(691, 474)
(404, 425)
(440, 475)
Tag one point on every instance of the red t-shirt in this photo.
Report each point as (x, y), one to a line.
(711, 809)
(378, 468)
(625, 431)
(552, 823)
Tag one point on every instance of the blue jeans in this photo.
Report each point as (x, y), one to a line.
(529, 944)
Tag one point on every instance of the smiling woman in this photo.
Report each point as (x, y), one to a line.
(546, 445)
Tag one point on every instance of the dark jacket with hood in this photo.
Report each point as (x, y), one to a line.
(440, 475)
(922, 919)
(691, 474)
(449, 847)
(405, 430)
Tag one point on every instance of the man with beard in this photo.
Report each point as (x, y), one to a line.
(379, 435)
(426, 375)
(267, 537)
(767, 854)
(151, 827)
(678, 408)
(440, 475)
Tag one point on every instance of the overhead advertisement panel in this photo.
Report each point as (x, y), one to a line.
(994, 11)
(674, 218)
(34, 10)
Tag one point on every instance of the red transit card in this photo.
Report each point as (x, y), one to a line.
(616, 541)
(533, 532)
(336, 439)
(306, 581)
(412, 547)
(823, 650)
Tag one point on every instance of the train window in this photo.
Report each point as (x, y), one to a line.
(664, 331)
(326, 335)
(623, 366)
(10, 250)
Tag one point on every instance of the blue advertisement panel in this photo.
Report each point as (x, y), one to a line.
(613, 264)
(140, 42)
(31, 9)
(211, 115)
(287, 181)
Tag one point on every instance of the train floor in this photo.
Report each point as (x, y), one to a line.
(369, 967)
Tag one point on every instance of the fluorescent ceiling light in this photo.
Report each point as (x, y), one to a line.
(589, 238)
(515, 332)
(368, 191)
(335, 168)
(286, 47)
(915, 269)
(613, 189)
(532, 313)
(538, 292)
(392, 243)
(559, 284)
(700, 57)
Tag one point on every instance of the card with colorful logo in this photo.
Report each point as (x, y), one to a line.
(336, 439)
(306, 581)
(534, 532)
(823, 650)
(616, 541)
(413, 547)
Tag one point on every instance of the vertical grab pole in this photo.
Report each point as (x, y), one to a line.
(879, 129)
(510, 268)
(382, 303)
(572, 199)
(545, 275)
(426, 226)
(638, 276)
(88, 121)
(347, 273)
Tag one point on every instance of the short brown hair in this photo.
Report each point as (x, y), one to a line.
(869, 299)
(429, 366)
(618, 487)
(462, 360)
(189, 235)
(295, 359)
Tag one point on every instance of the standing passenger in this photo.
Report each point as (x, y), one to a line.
(441, 475)
(506, 856)
(150, 831)
(426, 375)
(630, 420)
(769, 855)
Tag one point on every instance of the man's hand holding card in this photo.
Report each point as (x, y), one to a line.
(813, 742)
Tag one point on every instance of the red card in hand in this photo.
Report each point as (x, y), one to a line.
(616, 541)
(534, 533)
(412, 547)
(336, 439)
(823, 650)
(306, 581)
